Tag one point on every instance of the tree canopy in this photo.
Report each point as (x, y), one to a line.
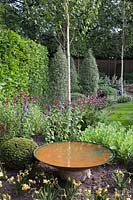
(94, 24)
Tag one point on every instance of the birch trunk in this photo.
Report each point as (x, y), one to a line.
(122, 46)
(68, 52)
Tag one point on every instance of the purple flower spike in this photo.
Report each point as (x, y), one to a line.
(49, 108)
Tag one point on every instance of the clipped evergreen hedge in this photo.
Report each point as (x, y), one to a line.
(23, 65)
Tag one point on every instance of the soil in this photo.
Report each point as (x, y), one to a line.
(101, 176)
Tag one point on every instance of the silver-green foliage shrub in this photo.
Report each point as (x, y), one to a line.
(23, 65)
(113, 135)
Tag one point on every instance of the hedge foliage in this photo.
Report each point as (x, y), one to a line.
(89, 74)
(23, 65)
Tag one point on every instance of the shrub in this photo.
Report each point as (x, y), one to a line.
(97, 102)
(23, 64)
(22, 117)
(128, 77)
(17, 152)
(89, 75)
(8, 117)
(112, 135)
(74, 78)
(58, 75)
(76, 95)
(90, 110)
(108, 90)
(3, 129)
(124, 99)
(61, 123)
(130, 164)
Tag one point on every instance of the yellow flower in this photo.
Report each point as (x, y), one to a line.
(87, 192)
(46, 194)
(128, 198)
(99, 191)
(11, 179)
(32, 181)
(76, 184)
(6, 197)
(26, 172)
(117, 195)
(1, 174)
(65, 195)
(18, 178)
(45, 181)
(36, 192)
(105, 190)
(129, 180)
(25, 187)
(0, 184)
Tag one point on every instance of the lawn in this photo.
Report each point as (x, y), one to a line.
(122, 112)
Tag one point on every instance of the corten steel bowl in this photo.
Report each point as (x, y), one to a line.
(73, 155)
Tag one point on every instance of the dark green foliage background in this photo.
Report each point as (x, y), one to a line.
(23, 65)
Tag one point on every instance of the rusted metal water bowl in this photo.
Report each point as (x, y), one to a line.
(73, 159)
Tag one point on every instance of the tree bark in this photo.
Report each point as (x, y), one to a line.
(68, 52)
(122, 46)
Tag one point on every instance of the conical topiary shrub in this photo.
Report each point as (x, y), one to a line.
(58, 75)
(74, 78)
(89, 75)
